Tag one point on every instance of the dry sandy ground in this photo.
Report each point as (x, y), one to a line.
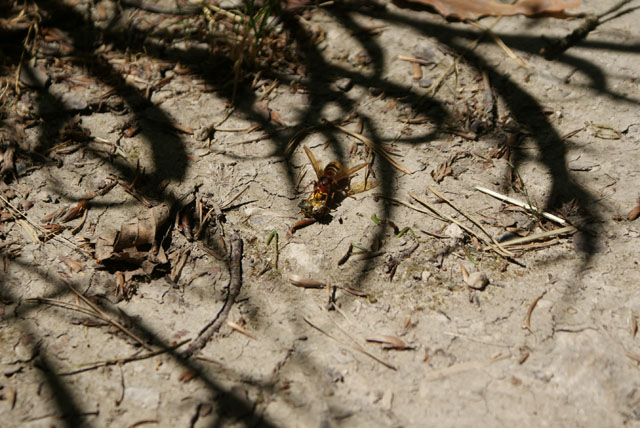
(551, 340)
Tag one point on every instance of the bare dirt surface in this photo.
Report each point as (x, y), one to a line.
(131, 117)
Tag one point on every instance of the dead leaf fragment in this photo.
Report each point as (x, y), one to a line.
(388, 342)
(300, 281)
(142, 230)
(76, 211)
(240, 329)
(634, 213)
(186, 376)
(445, 169)
(73, 265)
(473, 10)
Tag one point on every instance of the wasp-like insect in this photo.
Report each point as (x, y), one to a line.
(332, 184)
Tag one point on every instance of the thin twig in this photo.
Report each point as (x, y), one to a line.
(464, 227)
(119, 361)
(527, 319)
(106, 318)
(356, 346)
(408, 205)
(230, 201)
(18, 213)
(64, 305)
(526, 206)
(531, 238)
(498, 41)
(235, 282)
(446, 217)
(471, 219)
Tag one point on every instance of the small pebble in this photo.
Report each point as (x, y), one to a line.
(345, 84)
(425, 82)
(477, 280)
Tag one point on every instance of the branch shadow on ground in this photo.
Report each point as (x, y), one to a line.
(171, 161)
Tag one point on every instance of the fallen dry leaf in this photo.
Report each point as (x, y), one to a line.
(444, 169)
(73, 265)
(472, 10)
(634, 213)
(76, 211)
(186, 376)
(300, 281)
(388, 342)
(142, 230)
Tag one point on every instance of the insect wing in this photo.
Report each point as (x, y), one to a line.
(316, 166)
(362, 187)
(346, 173)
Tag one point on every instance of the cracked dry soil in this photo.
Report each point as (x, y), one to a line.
(130, 100)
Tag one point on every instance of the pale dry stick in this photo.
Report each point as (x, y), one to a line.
(526, 325)
(235, 282)
(17, 213)
(531, 238)
(119, 361)
(498, 41)
(240, 329)
(375, 148)
(106, 317)
(356, 345)
(122, 386)
(526, 206)
(471, 219)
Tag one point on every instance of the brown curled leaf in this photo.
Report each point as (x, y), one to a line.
(142, 230)
(76, 211)
(300, 281)
(388, 342)
(72, 264)
(634, 213)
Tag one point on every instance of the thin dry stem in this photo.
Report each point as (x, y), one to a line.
(471, 219)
